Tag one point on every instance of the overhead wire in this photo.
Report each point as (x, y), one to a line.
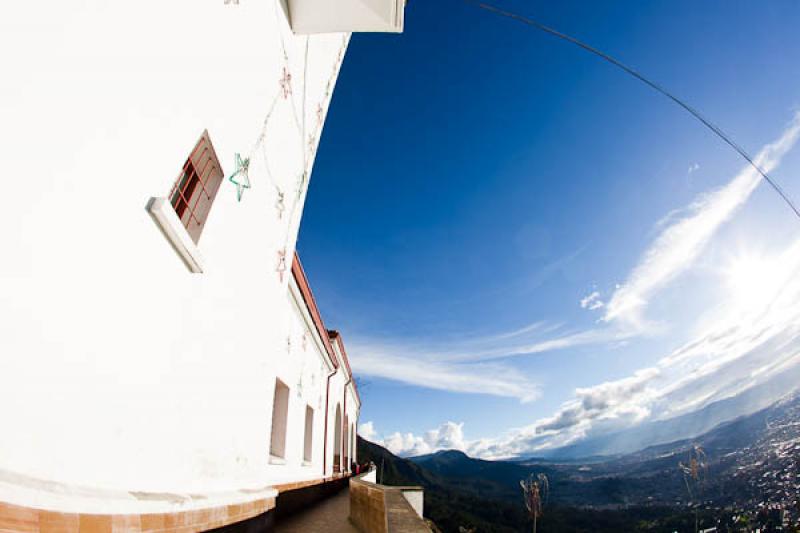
(634, 73)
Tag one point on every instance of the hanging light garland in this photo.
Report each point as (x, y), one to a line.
(280, 205)
(286, 83)
(281, 268)
(307, 140)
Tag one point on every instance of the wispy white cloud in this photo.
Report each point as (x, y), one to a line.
(751, 342)
(753, 336)
(682, 238)
(536, 327)
(409, 366)
(755, 340)
(681, 242)
(473, 365)
(592, 301)
(556, 342)
(745, 348)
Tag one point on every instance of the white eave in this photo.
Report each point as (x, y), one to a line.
(308, 323)
(334, 16)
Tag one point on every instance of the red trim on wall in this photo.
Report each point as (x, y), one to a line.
(327, 336)
(337, 337)
(311, 304)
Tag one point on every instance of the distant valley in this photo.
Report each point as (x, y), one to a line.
(750, 477)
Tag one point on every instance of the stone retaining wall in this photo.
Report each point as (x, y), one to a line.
(381, 509)
(368, 507)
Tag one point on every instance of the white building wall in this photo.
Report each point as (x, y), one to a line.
(118, 368)
(352, 417)
(354, 432)
(336, 398)
(342, 390)
(308, 380)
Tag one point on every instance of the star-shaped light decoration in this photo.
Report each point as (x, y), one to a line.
(286, 83)
(312, 143)
(240, 177)
(280, 204)
(301, 378)
(320, 112)
(301, 183)
(281, 268)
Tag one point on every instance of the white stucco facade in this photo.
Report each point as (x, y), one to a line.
(120, 370)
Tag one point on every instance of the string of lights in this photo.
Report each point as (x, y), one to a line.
(655, 86)
(307, 143)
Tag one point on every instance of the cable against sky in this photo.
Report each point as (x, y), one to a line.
(694, 112)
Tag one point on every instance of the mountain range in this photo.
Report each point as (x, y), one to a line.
(748, 465)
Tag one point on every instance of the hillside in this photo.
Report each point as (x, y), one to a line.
(450, 504)
(449, 507)
(758, 443)
(752, 463)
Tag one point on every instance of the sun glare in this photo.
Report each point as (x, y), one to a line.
(752, 280)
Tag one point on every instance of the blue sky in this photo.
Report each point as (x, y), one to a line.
(477, 180)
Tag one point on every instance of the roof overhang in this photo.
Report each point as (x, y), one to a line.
(311, 305)
(335, 16)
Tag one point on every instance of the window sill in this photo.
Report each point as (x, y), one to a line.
(307, 463)
(274, 460)
(170, 225)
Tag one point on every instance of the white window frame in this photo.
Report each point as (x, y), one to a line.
(308, 437)
(281, 398)
(210, 177)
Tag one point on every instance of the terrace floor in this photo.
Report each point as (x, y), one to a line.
(329, 515)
